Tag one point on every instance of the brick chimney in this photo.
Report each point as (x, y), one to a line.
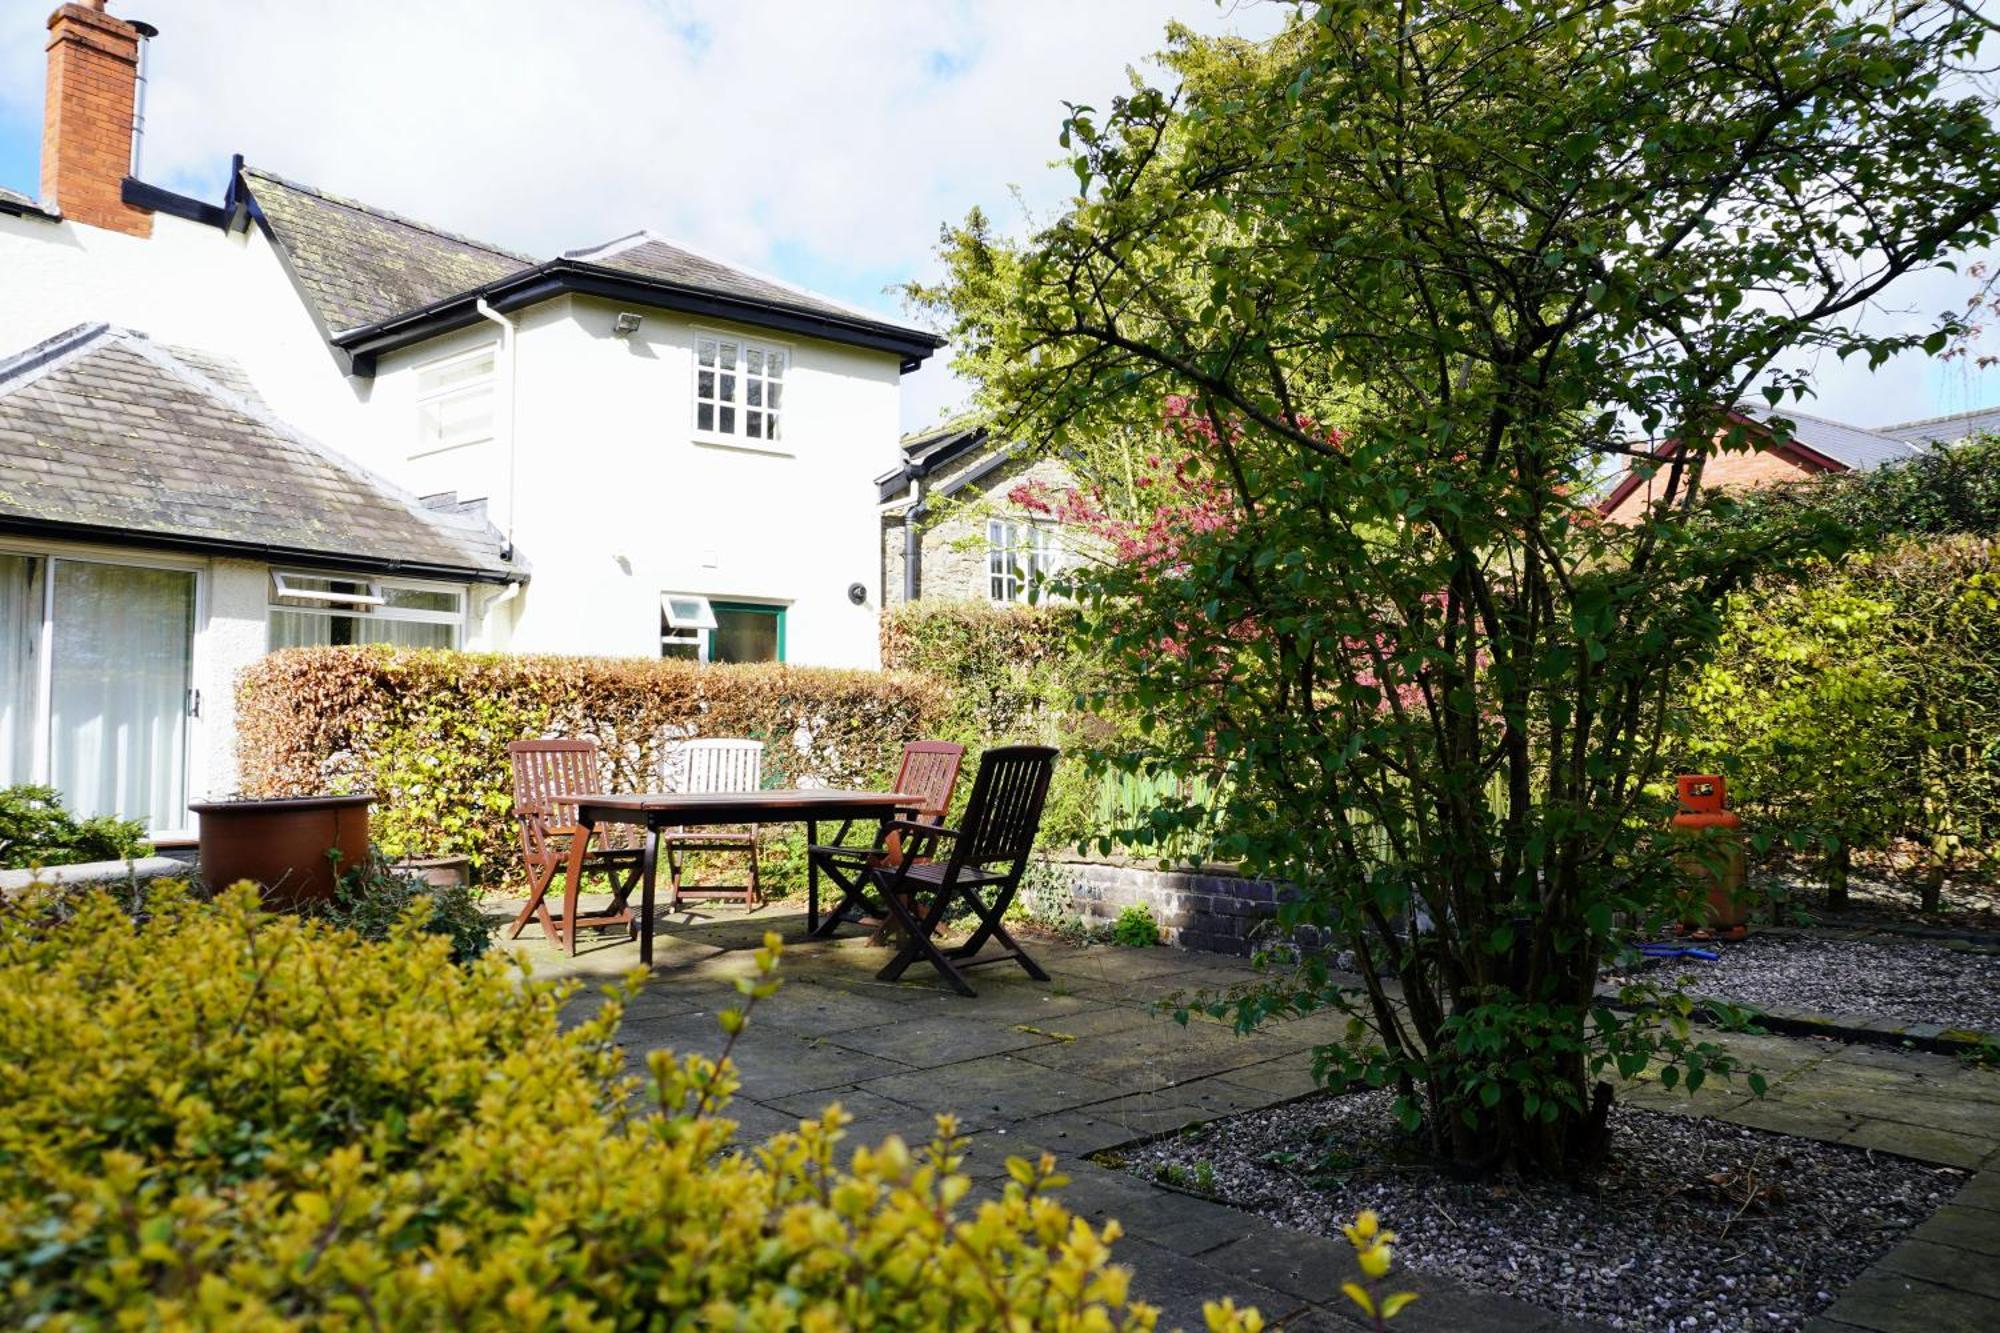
(87, 118)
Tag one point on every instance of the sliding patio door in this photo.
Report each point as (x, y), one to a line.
(96, 676)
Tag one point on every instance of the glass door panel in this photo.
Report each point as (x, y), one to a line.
(121, 671)
(20, 666)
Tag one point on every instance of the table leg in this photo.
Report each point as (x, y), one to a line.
(649, 868)
(579, 846)
(812, 878)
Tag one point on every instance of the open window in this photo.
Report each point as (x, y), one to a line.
(685, 620)
(314, 610)
(698, 630)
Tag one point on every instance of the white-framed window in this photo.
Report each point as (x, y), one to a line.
(699, 630)
(455, 401)
(739, 389)
(320, 610)
(685, 620)
(1020, 558)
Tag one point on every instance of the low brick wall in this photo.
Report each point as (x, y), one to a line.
(1208, 909)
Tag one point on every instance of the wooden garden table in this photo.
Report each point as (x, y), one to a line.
(658, 811)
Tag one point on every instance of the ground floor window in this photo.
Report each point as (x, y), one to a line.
(699, 629)
(96, 683)
(323, 610)
(1020, 558)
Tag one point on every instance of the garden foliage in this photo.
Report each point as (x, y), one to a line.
(1861, 705)
(427, 730)
(224, 1118)
(1399, 285)
(35, 830)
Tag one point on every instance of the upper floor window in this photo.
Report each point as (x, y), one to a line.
(310, 610)
(455, 401)
(1020, 558)
(739, 389)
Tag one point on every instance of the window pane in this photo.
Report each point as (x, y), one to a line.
(774, 365)
(755, 360)
(745, 636)
(705, 384)
(727, 389)
(727, 422)
(729, 356)
(20, 670)
(704, 417)
(433, 379)
(753, 392)
(121, 659)
(753, 425)
(770, 426)
(773, 395)
(707, 346)
(405, 633)
(293, 629)
(421, 599)
(684, 649)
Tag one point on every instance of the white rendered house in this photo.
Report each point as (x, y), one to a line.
(631, 449)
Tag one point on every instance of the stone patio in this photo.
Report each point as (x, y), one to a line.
(1083, 1063)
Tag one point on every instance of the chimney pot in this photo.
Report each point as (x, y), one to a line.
(88, 117)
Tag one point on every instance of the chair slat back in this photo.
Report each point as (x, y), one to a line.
(549, 775)
(720, 766)
(930, 771)
(1005, 809)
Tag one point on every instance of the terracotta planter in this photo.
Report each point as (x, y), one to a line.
(282, 844)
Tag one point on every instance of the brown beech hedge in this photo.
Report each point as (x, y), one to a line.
(427, 731)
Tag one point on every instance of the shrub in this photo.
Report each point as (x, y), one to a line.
(227, 1118)
(35, 831)
(370, 900)
(427, 731)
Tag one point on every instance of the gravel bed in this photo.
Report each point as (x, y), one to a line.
(1693, 1223)
(1913, 981)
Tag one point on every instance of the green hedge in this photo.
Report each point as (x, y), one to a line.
(217, 1118)
(427, 730)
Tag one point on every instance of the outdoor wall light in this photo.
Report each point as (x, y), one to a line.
(626, 324)
(857, 593)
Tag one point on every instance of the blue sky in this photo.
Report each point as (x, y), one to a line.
(824, 143)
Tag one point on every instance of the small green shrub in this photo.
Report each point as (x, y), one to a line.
(227, 1119)
(35, 830)
(1136, 927)
(371, 900)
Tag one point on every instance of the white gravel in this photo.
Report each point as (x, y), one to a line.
(1913, 981)
(1692, 1224)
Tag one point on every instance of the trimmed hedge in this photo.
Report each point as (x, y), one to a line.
(427, 730)
(220, 1118)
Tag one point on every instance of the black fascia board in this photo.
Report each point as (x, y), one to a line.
(270, 553)
(970, 438)
(559, 277)
(141, 195)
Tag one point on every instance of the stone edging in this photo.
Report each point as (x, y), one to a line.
(1933, 1037)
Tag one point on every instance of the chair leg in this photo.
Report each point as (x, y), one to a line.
(920, 928)
(991, 928)
(755, 898)
(539, 877)
(851, 895)
(673, 879)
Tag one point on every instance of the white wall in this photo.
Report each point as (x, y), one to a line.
(232, 636)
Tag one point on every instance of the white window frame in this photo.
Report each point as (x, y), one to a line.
(370, 605)
(776, 437)
(1039, 558)
(685, 630)
(488, 384)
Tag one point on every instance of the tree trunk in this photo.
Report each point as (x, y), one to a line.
(1838, 861)
(1934, 872)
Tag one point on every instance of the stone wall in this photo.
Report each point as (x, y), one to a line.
(953, 541)
(1207, 909)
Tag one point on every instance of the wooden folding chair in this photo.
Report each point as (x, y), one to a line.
(712, 766)
(548, 776)
(989, 852)
(929, 771)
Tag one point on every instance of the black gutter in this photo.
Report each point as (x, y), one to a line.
(270, 553)
(557, 277)
(141, 195)
(27, 210)
(914, 469)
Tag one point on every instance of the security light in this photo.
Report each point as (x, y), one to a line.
(626, 324)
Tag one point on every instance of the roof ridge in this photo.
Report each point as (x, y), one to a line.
(949, 426)
(647, 234)
(33, 362)
(345, 201)
(1939, 419)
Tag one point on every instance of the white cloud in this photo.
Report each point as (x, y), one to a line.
(826, 142)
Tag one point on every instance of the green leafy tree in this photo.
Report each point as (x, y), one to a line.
(1407, 275)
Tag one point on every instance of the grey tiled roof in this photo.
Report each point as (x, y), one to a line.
(648, 256)
(360, 265)
(1850, 446)
(102, 428)
(931, 447)
(1948, 430)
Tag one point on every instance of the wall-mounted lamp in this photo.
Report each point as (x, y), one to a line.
(857, 593)
(626, 324)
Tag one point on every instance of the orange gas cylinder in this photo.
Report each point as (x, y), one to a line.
(1719, 860)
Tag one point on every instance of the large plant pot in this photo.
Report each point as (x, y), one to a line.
(283, 845)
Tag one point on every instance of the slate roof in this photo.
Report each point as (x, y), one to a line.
(1852, 447)
(105, 432)
(1949, 429)
(648, 256)
(359, 265)
(931, 448)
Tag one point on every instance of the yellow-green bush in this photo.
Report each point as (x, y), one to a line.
(222, 1118)
(427, 731)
